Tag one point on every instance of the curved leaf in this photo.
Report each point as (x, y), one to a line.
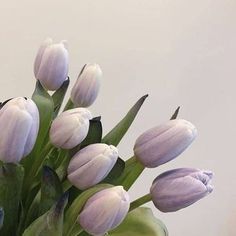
(117, 133)
(59, 95)
(139, 222)
(35, 159)
(11, 179)
(51, 189)
(51, 223)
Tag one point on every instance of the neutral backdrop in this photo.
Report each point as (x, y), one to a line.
(180, 52)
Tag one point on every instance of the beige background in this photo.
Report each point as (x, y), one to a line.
(181, 52)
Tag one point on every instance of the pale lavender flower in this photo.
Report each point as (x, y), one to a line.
(70, 128)
(51, 64)
(87, 86)
(91, 165)
(179, 188)
(19, 124)
(165, 142)
(104, 211)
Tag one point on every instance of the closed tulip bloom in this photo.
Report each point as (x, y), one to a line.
(179, 188)
(104, 211)
(91, 165)
(165, 142)
(51, 64)
(87, 86)
(70, 128)
(19, 124)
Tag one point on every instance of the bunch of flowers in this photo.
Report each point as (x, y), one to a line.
(60, 176)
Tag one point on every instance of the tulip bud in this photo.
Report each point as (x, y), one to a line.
(104, 211)
(87, 86)
(179, 188)
(91, 165)
(165, 142)
(70, 128)
(51, 64)
(19, 124)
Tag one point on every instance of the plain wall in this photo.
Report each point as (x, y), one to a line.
(180, 52)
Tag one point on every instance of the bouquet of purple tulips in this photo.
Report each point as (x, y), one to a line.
(60, 176)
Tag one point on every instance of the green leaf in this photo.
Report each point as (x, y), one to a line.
(45, 105)
(1, 217)
(35, 159)
(51, 189)
(116, 134)
(51, 223)
(174, 116)
(94, 133)
(116, 171)
(59, 95)
(11, 179)
(76, 207)
(139, 222)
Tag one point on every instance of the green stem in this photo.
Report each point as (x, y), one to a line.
(133, 169)
(69, 105)
(140, 201)
(37, 164)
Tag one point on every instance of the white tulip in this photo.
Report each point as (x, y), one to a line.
(91, 165)
(70, 128)
(51, 64)
(165, 142)
(19, 124)
(104, 211)
(87, 86)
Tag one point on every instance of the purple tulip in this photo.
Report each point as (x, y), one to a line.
(91, 165)
(105, 210)
(86, 88)
(51, 64)
(165, 142)
(19, 124)
(179, 188)
(70, 128)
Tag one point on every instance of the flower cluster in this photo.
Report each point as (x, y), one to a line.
(51, 160)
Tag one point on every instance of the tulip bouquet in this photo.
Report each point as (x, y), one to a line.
(60, 176)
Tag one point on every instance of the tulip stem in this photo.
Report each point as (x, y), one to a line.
(69, 105)
(140, 201)
(133, 169)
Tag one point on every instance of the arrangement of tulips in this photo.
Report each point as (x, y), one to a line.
(60, 176)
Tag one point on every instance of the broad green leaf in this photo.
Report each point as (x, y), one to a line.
(94, 133)
(45, 105)
(76, 207)
(139, 222)
(11, 179)
(51, 189)
(50, 223)
(174, 116)
(59, 95)
(116, 134)
(35, 159)
(116, 171)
